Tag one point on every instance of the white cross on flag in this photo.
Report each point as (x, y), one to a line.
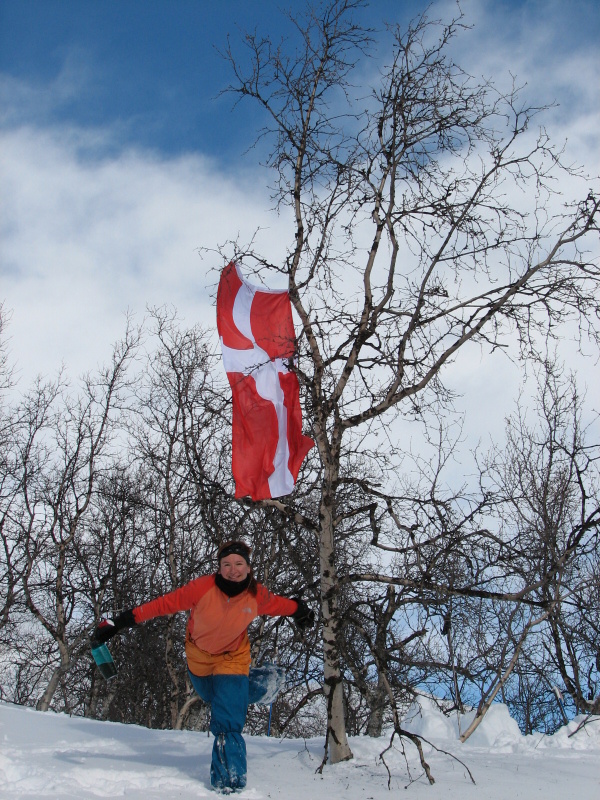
(258, 344)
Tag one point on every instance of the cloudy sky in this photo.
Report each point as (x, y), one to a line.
(119, 159)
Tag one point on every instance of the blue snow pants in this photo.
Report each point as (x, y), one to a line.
(228, 699)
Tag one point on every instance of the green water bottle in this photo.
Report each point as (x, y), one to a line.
(104, 660)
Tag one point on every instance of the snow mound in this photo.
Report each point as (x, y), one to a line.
(582, 733)
(497, 730)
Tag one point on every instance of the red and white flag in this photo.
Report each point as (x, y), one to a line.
(258, 342)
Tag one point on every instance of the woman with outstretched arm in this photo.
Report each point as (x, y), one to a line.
(221, 606)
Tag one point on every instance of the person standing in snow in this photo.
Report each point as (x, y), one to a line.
(217, 647)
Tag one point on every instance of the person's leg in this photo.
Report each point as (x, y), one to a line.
(203, 686)
(229, 708)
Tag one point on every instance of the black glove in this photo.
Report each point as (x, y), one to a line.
(304, 617)
(110, 627)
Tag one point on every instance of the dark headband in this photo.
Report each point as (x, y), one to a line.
(237, 548)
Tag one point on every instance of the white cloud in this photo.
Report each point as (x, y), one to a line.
(548, 46)
(89, 231)
(84, 240)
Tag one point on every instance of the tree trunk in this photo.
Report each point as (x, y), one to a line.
(339, 749)
(378, 697)
(377, 702)
(181, 717)
(43, 704)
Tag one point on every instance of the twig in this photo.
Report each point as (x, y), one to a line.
(583, 723)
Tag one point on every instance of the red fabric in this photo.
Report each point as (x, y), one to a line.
(253, 421)
(258, 341)
(272, 325)
(229, 285)
(291, 392)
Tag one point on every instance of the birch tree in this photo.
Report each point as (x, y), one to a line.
(549, 483)
(175, 441)
(423, 222)
(11, 561)
(65, 450)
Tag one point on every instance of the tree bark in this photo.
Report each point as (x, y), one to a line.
(43, 704)
(339, 749)
(377, 703)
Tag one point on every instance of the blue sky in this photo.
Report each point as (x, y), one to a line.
(152, 67)
(149, 66)
(119, 159)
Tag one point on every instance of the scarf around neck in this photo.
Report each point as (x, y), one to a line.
(232, 588)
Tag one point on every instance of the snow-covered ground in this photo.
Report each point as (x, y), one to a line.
(56, 756)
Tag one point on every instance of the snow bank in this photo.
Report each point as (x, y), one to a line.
(582, 733)
(497, 730)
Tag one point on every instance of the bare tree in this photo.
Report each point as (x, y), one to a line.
(175, 442)
(549, 481)
(406, 244)
(65, 450)
(11, 562)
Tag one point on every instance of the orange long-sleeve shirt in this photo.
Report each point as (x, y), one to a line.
(217, 631)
